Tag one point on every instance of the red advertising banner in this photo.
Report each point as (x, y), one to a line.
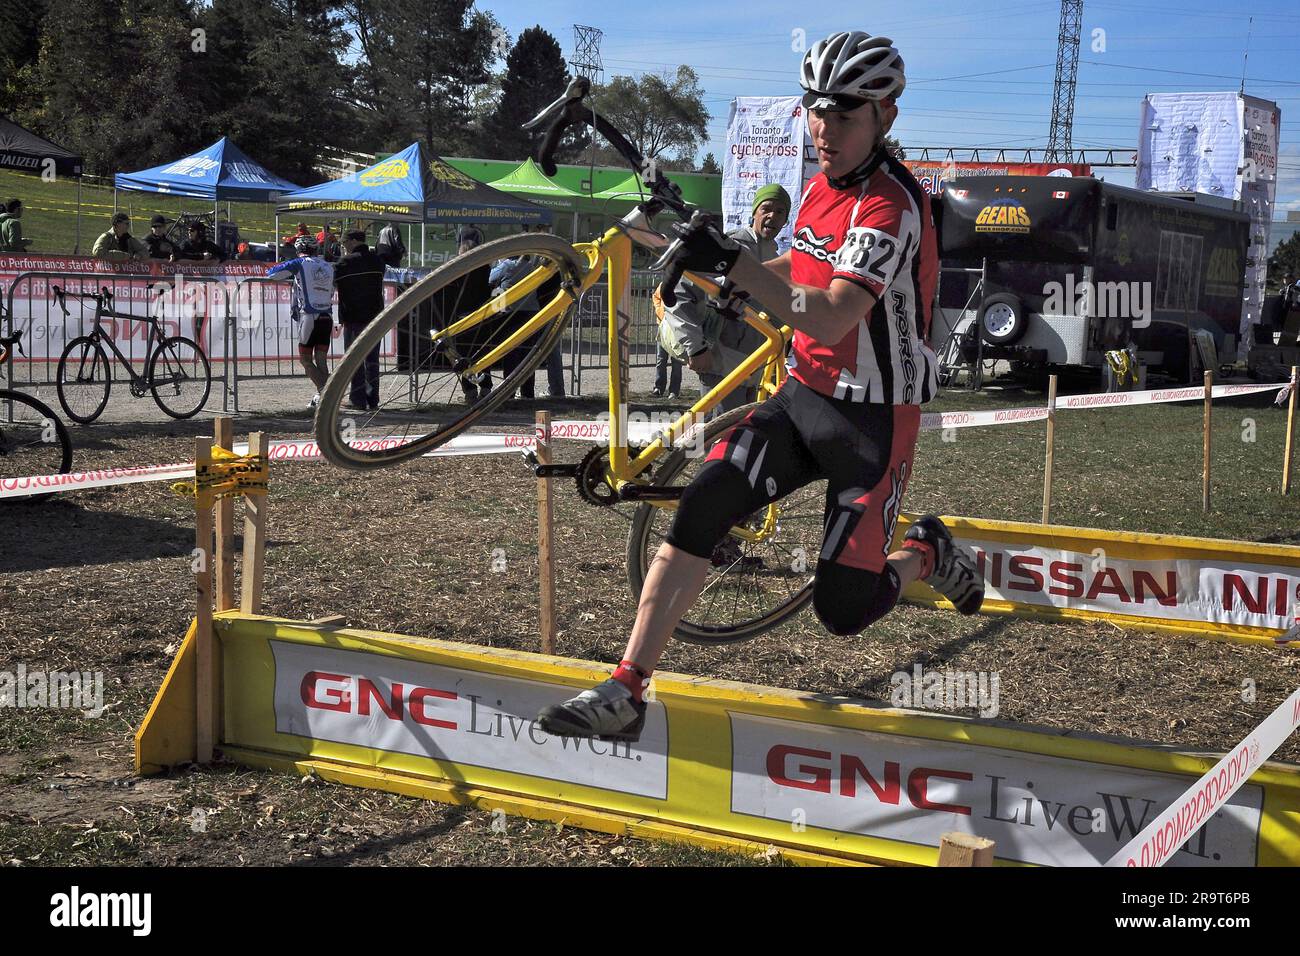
(934, 176)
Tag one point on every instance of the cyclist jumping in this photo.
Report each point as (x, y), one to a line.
(857, 287)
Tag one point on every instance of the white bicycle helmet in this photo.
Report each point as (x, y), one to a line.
(847, 68)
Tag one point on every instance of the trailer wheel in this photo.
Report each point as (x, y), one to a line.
(1002, 319)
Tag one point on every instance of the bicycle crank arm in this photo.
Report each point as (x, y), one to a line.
(549, 471)
(631, 492)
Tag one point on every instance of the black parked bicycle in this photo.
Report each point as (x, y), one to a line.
(176, 370)
(33, 441)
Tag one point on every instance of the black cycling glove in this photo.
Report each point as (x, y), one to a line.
(700, 247)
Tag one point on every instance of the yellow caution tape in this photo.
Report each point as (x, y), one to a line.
(1121, 363)
(227, 474)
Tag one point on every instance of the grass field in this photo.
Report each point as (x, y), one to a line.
(99, 580)
(50, 214)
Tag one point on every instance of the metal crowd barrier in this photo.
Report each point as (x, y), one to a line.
(237, 323)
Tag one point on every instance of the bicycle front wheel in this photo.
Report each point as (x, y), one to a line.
(180, 377)
(761, 574)
(445, 386)
(84, 378)
(33, 442)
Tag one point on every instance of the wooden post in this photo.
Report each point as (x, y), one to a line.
(250, 598)
(224, 436)
(1051, 447)
(204, 639)
(1290, 430)
(964, 849)
(545, 526)
(1205, 467)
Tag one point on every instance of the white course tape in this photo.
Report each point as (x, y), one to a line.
(43, 484)
(638, 431)
(1167, 832)
(1156, 396)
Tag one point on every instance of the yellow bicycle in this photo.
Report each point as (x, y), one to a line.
(763, 573)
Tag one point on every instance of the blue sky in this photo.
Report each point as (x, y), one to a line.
(976, 75)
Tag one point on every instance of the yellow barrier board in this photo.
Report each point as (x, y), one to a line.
(1228, 590)
(721, 764)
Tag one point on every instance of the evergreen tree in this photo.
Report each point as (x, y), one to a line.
(19, 45)
(274, 83)
(77, 71)
(420, 61)
(710, 165)
(536, 75)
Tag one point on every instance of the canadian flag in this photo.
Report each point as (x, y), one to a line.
(958, 193)
(1060, 194)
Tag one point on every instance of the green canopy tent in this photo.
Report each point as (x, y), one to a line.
(617, 189)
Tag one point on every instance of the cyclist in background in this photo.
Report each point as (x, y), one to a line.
(312, 304)
(857, 287)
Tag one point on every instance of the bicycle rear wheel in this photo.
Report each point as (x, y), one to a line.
(761, 575)
(84, 378)
(180, 377)
(33, 442)
(436, 398)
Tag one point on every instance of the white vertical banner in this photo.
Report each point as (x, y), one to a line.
(1259, 138)
(1223, 144)
(765, 140)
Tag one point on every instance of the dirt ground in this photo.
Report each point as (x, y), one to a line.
(100, 580)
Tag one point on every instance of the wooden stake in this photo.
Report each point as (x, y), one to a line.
(224, 436)
(204, 639)
(1051, 447)
(963, 849)
(1205, 467)
(1290, 430)
(545, 526)
(250, 598)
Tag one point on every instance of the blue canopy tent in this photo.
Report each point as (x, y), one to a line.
(221, 171)
(404, 188)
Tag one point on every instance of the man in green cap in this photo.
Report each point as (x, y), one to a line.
(694, 332)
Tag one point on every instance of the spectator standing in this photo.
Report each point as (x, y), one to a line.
(11, 227)
(462, 297)
(118, 245)
(390, 247)
(312, 303)
(359, 278)
(663, 363)
(328, 243)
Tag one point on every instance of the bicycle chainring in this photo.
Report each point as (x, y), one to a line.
(591, 478)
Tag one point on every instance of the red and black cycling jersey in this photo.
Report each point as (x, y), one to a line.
(879, 234)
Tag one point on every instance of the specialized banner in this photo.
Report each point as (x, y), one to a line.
(1236, 590)
(765, 140)
(719, 763)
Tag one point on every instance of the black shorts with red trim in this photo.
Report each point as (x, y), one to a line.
(864, 451)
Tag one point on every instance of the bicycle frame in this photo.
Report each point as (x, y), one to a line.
(100, 336)
(610, 256)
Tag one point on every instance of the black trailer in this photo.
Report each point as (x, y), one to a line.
(1054, 272)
